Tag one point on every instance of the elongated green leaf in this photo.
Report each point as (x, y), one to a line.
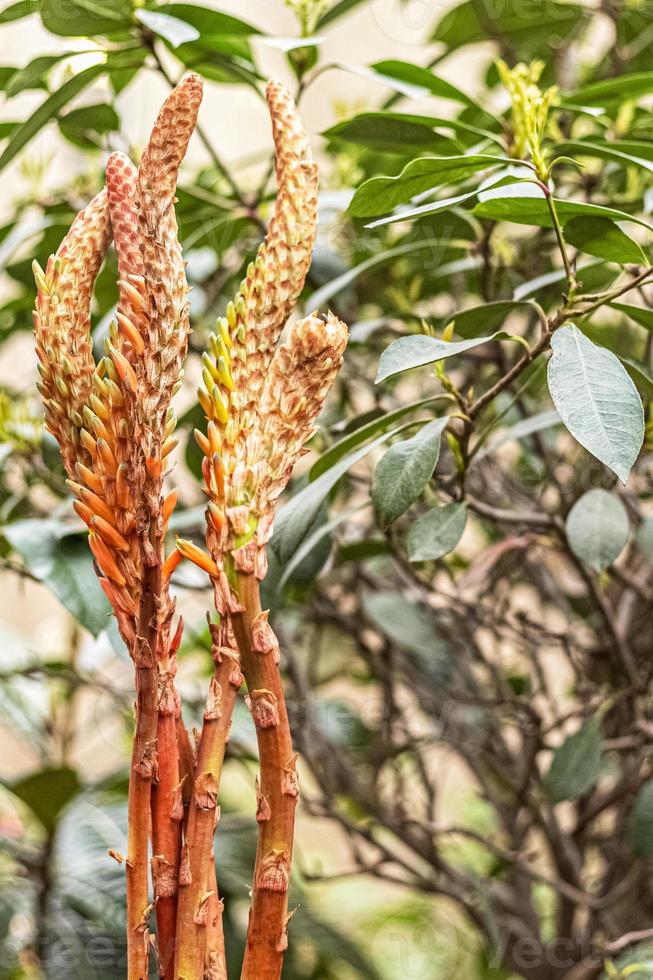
(381, 194)
(501, 178)
(410, 625)
(295, 519)
(523, 24)
(469, 323)
(337, 10)
(311, 543)
(47, 792)
(632, 86)
(18, 10)
(424, 78)
(78, 18)
(640, 822)
(172, 29)
(644, 537)
(576, 764)
(220, 60)
(416, 351)
(45, 112)
(596, 400)
(603, 238)
(437, 532)
(597, 528)
(445, 204)
(637, 313)
(33, 75)
(524, 204)
(521, 430)
(59, 556)
(362, 434)
(401, 475)
(365, 127)
(398, 133)
(589, 272)
(211, 24)
(322, 296)
(615, 151)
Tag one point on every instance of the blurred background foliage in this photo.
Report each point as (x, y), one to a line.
(469, 694)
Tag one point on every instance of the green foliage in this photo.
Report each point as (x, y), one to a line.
(597, 528)
(436, 533)
(404, 471)
(596, 400)
(576, 764)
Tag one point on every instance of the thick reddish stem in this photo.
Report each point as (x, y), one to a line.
(278, 791)
(215, 960)
(167, 817)
(143, 768)
(196, 881)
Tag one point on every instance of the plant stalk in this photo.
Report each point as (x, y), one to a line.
(199, 913)
(167, 816)
(143, 767)
(277, 794)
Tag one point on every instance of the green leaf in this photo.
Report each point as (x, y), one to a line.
(217, 60)
(16, 11)
(523, 25)
(47, 792)
(172, 29)
(395, 133)
(437, 532)
(415, 75)
(211, 24)
(603, 238)
(45, 112)
(33, 75)
(597, 528)
(521, 430)
(379, 195)
(632, 86)
(614, 151)
(525, 204)
(410, 625)
(86, 125)
(644, 537)
(401, 475)
(337, 10)
(416, 351)
(311, 543)
(576, 764)
(59, 556)
(79, 18)
(469, 323)
(640, 823)
(637, 313)
(362, 434)
(295, 519)
(6, 74)
(365, 127)
(322, 295)
(596, 400)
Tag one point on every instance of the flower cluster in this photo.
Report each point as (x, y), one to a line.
(261, 397)
(113, 420)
